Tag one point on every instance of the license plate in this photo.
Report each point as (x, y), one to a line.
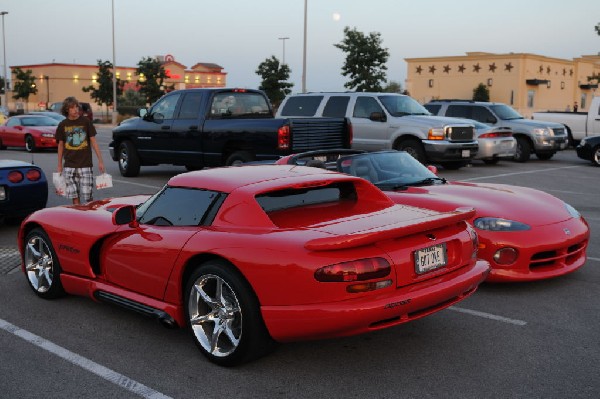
(430, 258)
(466, 153)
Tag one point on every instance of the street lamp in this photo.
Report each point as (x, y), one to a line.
(283, 39)
(3, 13)
(304, 52)
(114, 77)
(47, 78)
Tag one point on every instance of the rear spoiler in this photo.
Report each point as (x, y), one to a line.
(395, 230)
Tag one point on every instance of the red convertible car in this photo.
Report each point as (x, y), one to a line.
(250, 256)
(33, 132)
(524, 234)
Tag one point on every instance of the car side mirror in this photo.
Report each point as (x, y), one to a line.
(142, 112)
(377, 117)
(158, 117)
(125, 215)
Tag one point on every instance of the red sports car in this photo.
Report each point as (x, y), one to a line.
(248, 256)
(33, 132)
(524, 234)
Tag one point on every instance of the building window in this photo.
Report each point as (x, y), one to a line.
(583, 101)
(530, 98)
(512, 97)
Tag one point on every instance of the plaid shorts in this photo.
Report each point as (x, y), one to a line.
(79, 183)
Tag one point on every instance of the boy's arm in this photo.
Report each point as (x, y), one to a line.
(98, 154)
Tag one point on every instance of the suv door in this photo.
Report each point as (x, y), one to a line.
(374, 133)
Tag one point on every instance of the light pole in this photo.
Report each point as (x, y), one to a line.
(47, 78)
(304, 52)
(283, 39)
(3, 13)
(114, 77)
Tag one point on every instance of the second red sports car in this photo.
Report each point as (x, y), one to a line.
(525, 234)
(248, 255)
(33, 132)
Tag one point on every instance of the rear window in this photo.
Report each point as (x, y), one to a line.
(301, 106)
(433, 108)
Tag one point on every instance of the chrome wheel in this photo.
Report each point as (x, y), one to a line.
(39, 263)
(596, 156)
(215, 315)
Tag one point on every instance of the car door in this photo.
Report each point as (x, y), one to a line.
(13, 133)
(186, 129)
(141, 259)
(369, 135)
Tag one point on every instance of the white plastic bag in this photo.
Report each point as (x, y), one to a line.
(60, 185)
(103, 181)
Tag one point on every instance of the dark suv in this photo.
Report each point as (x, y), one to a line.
(543, 139)
(84, 110)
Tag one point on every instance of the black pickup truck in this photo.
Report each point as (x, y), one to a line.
(215, 127)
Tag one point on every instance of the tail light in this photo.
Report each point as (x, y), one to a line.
(283, 138)
(15, 176)
(357, 270)
(33, 175)
(350, 134)
(493, 135)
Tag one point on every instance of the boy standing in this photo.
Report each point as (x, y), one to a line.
(75, 136)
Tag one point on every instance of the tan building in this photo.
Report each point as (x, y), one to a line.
(527, 82)
(57, 81)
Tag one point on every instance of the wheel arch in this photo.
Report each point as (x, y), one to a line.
(402, 137)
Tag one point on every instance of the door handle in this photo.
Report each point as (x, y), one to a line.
(166, 127)
(193, 127)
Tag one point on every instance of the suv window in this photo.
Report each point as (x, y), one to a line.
(478, 113)
(336, 106)
(301, 106)
(190, 106)
(166, 106)
(365, 106)
(238, 104)
(433, 108)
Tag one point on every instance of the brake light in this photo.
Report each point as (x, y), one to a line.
(283, 137)
(350, 134)
(238, 90)
(494, 135)
(15, 176)
(33, 175)
(358, 270)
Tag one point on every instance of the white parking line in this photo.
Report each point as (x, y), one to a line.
(521, 173)
(137, 184)
(101, 371)
(488, 316)
(594, 259)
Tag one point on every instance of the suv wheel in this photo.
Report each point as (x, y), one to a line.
(129, 162)
(523, 150)
(414, 148)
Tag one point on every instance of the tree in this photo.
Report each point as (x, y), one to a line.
(151, 80)
(392, 87)
(24, 84)
(274, 80)
(481, 93)
(598, 29)
(103, 94)
(365, 60)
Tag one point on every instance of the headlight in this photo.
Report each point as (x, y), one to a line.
(498, 224)
(542, 132)
(582, 142)
(436, 134)
(572, 211)
(47, 135)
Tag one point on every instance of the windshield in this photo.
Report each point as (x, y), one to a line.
(505, 112)
(402, 105)
(389, 169)
(39, 121)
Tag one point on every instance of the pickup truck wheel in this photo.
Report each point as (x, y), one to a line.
(545, 156)
(414, 148)
(523, 150)
(129, 162)
(237, 158)
(596, 156)
(491, 161)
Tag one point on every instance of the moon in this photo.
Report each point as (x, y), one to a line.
(336, 16)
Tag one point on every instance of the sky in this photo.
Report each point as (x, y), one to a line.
(240, 34)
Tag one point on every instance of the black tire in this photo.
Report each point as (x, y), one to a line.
(224, 315)
(414, 147)
(544, 156)
(491, 161)
(454, 165)
(129, 162)
(238, 157)
(596, 155)
(523, 152)
(29, 144)
(2, 146)
(42, 267)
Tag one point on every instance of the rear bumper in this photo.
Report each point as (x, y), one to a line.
(496, 148)
(373, 312)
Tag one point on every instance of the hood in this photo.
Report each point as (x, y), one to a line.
(530, 206)
(427, 121)
(530, 123)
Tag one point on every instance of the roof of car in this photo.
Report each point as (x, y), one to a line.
(227, 179)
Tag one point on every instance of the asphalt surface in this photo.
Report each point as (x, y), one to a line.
(532, 340)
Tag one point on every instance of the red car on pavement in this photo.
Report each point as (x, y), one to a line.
(524, 234)
(34, 132)
(247, 256)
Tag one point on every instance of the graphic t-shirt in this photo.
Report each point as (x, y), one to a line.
(76, 136)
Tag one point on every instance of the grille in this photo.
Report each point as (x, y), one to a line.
(316, 134)
(561, 256)
(459, 133)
